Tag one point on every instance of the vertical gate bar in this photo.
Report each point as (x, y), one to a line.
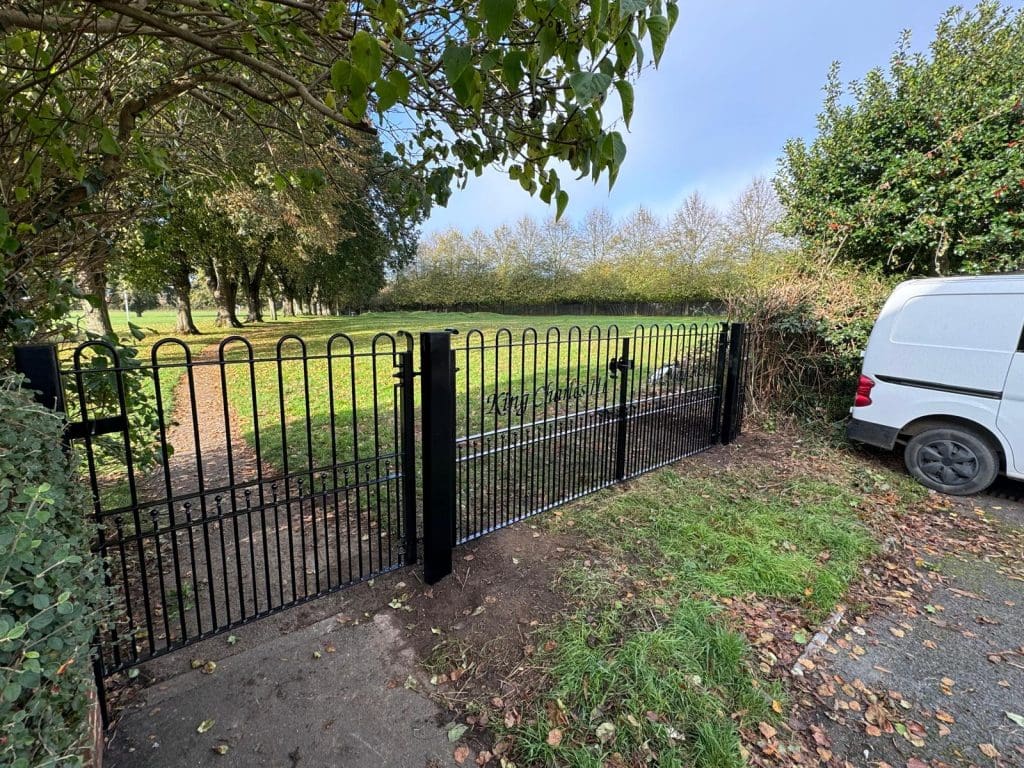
(622, 368)
(168, 487)
(408, 453)
(438, 404)
(133, 495)
(38, 364)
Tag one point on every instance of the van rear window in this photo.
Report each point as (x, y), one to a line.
(989, 322)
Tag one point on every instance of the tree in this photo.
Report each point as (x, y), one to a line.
(96, 91)
(920, 169)
(753, 220)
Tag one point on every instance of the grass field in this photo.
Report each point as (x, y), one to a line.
(289, 390)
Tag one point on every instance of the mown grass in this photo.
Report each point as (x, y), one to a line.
(292, 393)
(647, 669)
(292, 401)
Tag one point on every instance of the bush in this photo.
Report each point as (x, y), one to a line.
(50, 589)
(809, 323)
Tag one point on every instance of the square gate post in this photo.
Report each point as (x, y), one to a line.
(733, 385)
(38, 364)
(406, 374)
(437, 380)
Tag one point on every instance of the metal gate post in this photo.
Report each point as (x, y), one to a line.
(720, 372)
(408, 406)
(732, 384)
(437, 380)
(38, 364)
(621, 368)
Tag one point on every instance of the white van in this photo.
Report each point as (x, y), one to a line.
(944, 376)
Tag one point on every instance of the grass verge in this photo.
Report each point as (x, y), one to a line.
(648, 668)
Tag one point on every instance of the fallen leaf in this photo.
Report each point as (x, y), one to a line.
(209, 667)
(777, 706)
(944, 716)
(766, 730)
(456, 730)
(221, 749)
(1014, 717)
(460, 754)
(554, 737)
(204, 726)
(988, 750)
(605, 731)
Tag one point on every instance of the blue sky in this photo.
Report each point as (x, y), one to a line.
(738, 78)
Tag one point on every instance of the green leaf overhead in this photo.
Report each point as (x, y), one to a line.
(588, 86)
(625, 90)
(455, 60)
(498, 15)
(495, 83)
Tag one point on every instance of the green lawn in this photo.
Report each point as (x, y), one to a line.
(304, 388)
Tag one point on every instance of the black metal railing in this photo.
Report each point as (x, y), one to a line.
(229, 485)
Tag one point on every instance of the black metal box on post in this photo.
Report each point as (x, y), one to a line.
(437, 377)
(38, 364)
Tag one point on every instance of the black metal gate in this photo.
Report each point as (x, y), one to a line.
(515, 425)
(229, 486)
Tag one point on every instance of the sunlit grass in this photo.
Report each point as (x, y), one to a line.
(646, 666)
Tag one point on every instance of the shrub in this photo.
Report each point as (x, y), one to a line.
(809, 323)
(50, 589)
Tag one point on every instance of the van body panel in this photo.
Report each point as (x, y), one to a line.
(1011, 409)
(949, 347)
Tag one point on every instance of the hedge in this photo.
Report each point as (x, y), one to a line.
(51, 589)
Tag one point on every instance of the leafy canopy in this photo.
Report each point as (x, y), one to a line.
(920, 169)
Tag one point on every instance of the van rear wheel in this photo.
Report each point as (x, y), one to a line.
(952, 459)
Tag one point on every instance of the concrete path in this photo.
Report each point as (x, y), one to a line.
(325, 696)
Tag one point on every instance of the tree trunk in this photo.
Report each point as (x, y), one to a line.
(183, 297)
(225, 292)
(253, 282)
(288, 307)
(97, 312)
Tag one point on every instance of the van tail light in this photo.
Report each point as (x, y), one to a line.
(864, 387)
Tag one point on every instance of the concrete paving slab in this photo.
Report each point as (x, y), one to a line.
(279, 705)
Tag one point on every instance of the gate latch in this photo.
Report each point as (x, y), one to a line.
(620, 364)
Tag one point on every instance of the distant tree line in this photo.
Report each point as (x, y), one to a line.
(695, 256)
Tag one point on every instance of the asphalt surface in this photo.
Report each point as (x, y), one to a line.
(957, 669)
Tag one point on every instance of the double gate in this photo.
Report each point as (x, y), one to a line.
(230, 485)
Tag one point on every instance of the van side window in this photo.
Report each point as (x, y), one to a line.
(989, 322)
